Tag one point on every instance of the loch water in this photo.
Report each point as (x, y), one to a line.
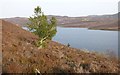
(92, 40)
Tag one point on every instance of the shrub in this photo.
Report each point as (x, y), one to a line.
(40, 26)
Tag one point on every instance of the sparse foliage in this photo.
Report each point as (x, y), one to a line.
(41, 26)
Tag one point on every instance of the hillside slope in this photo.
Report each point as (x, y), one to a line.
(20, 55)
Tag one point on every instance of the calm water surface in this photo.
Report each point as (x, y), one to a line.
(93, 40)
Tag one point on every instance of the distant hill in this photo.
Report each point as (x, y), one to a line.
(21, 21)
(92, 21)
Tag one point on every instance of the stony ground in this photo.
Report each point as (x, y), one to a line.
(20, 55)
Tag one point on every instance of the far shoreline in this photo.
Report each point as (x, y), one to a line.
(105, 29)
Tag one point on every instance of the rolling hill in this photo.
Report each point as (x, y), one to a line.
(106, 22)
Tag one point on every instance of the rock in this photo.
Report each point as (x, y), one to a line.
(47, 55)
(79, 70)
(28, 43)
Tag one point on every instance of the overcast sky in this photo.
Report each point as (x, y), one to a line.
(24, 8)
